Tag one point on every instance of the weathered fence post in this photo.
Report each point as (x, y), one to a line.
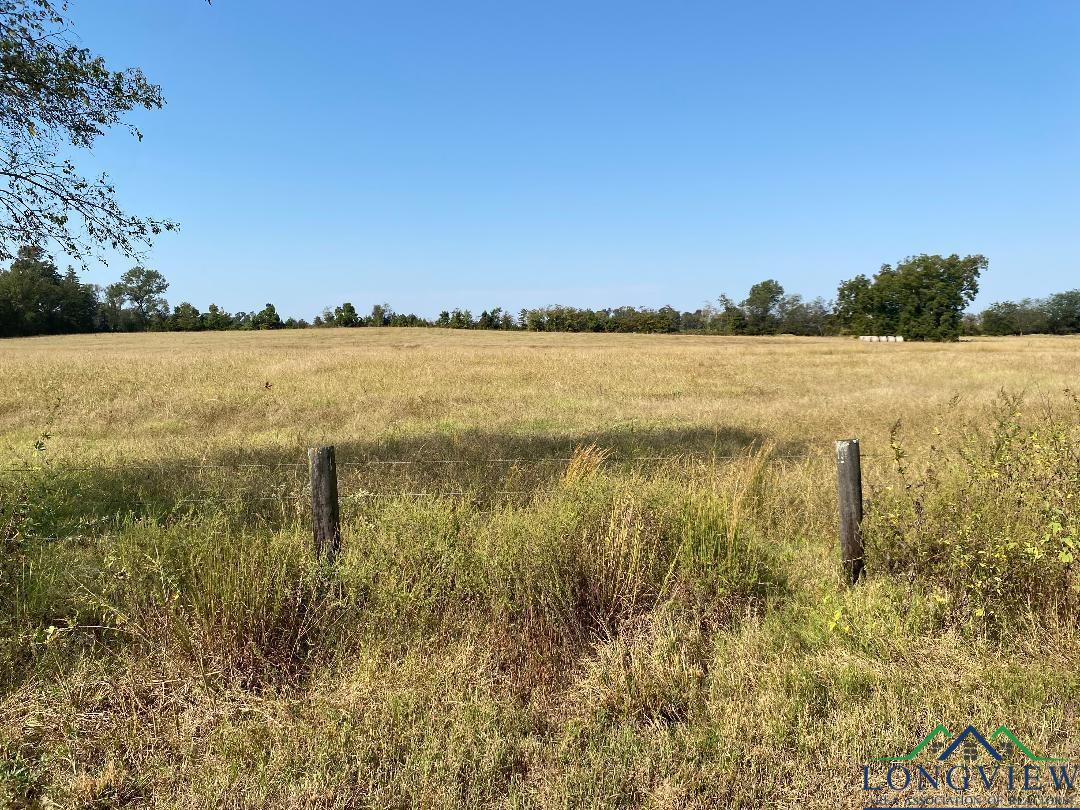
(849, 488)
(325, 520)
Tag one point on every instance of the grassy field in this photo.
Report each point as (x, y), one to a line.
(608, 577)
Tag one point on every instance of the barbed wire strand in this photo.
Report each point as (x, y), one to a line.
(420, 462)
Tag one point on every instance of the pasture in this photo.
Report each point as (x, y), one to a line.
(577, 570)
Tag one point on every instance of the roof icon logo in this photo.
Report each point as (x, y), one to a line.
(971, 744)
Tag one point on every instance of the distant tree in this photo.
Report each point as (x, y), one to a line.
(798, 317)
(216, 318)
(495, 318)
(790, 315)
(922, 298)
(143, 288)
(668, 320)
(346, 315)
(970, 324)
(56, 95)
(761, 306)
(855, 308)
(1032, 316)
(461, 319)
(81, 311)
(185, 318)
(999, 319)
(1063, 313)
(266, 318)
(113, 316)
(35, 299)
(729, 318)
(698, 320)
(398, 319)
(533, 320)
(380, 315)
(931, 293)
(1011, 318)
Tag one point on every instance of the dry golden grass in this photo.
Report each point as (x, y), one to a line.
(195, 396)
(661, 634)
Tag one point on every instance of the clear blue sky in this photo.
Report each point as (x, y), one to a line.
(471, 154)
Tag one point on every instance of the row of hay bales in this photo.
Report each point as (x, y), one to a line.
(882, 338)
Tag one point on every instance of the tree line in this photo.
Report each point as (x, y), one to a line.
(1058, 314)
(922, 298)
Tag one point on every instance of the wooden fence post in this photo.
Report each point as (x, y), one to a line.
(849, 488)
(325, 520)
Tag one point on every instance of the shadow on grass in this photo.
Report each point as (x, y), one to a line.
(268, 487)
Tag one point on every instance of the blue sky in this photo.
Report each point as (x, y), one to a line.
(475, 154)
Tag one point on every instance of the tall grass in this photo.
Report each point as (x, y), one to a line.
(540, 594)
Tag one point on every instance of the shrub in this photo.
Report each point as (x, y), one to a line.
(996, 526)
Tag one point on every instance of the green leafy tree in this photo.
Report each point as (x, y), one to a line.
(79, 304)
(969, 324)
(930, 293)
(922, 298)
(798, 317)
(185, 318)
(346, 315)
(999, 319)
(216, 318)
(854, 311)
(266, 318)
(1063, 313)
(35, 299)
(532, 319)
(57, 96)
(495, 318)
(697, 321)
(730, 318)
(461, 319)
(142, 288)
(1014, 318)
(1032, 316)
(761, 306)
(381, 315)
(668, 320)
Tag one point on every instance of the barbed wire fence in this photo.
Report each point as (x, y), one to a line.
(320, 485)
